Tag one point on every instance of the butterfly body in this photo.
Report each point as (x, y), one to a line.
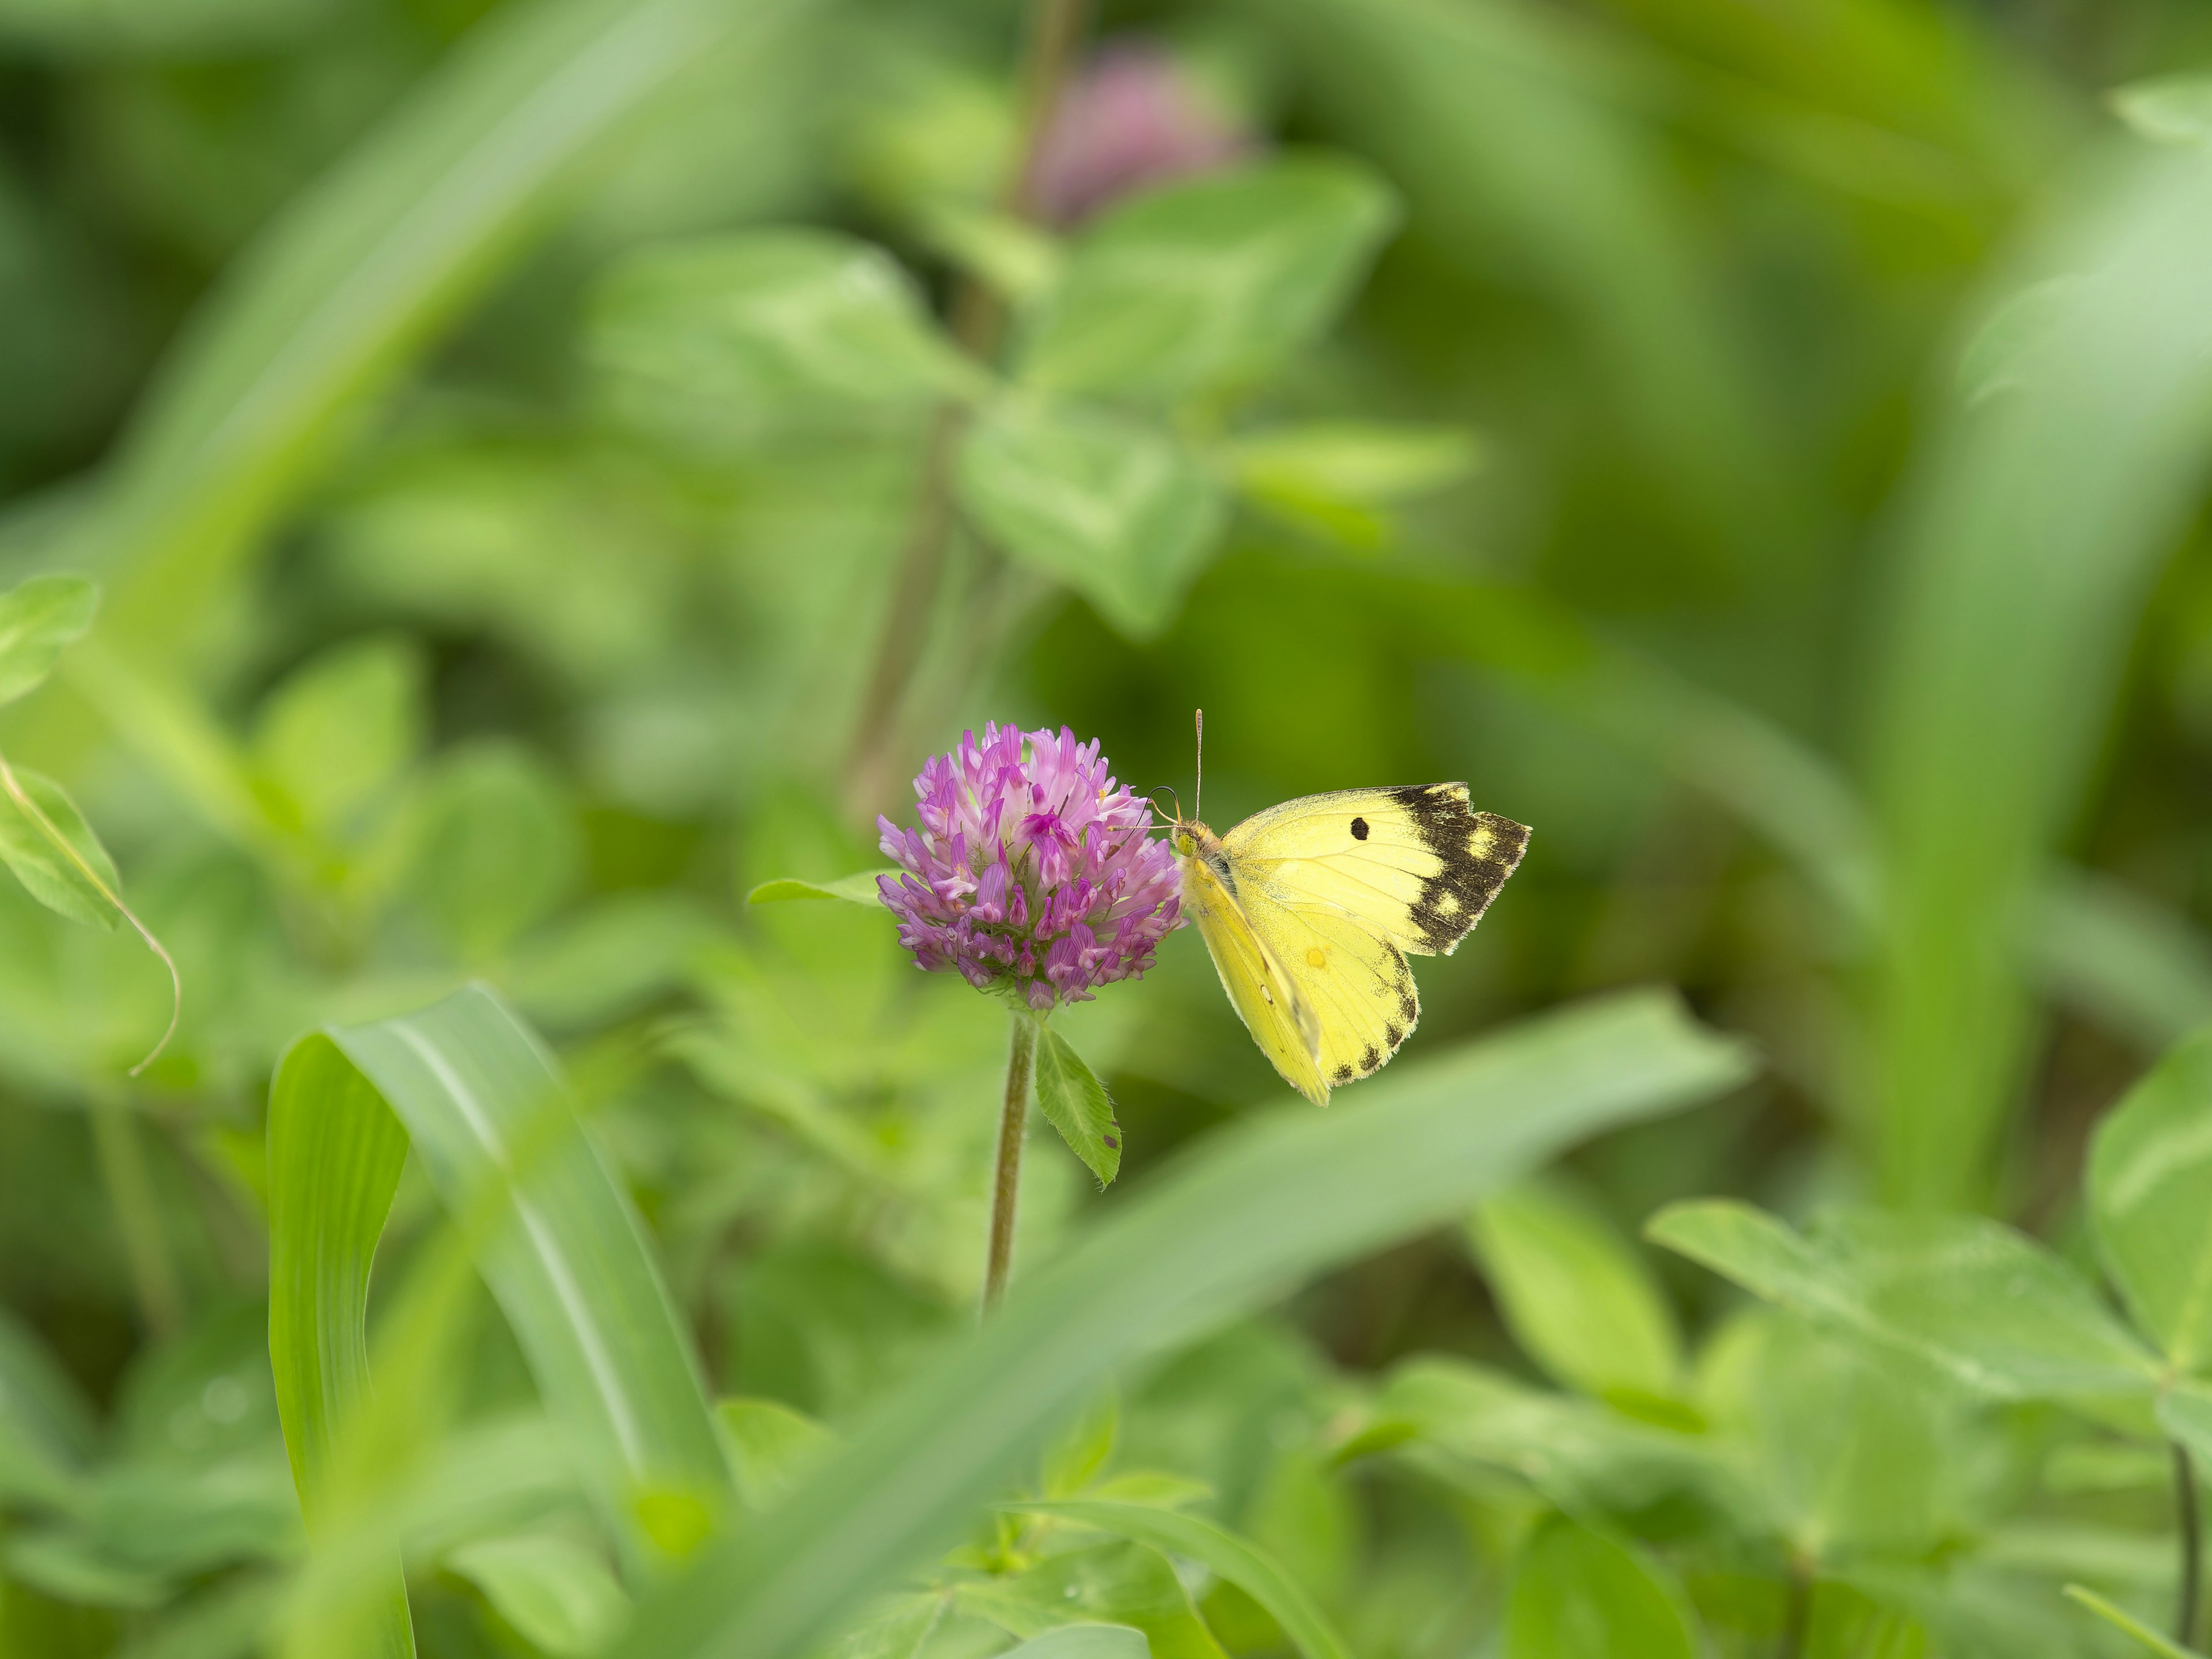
(1310, 909)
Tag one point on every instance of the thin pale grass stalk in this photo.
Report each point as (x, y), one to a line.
(123, 1172)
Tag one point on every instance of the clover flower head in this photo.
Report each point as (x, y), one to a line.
(1131, 117)
(1031, 870)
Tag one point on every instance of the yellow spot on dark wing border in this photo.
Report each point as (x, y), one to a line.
(1475, 852)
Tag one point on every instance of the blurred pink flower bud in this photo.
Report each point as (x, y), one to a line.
(1131, 118)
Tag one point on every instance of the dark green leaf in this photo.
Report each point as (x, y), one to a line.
(37, 619)
(1075, 1103)
(1579, 1594)
(1209, 284)
(2150, 1195)
(1110, 506)
(78, 881)
(335, 735)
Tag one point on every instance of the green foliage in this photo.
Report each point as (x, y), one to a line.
(1075, 1103)
(553, 467)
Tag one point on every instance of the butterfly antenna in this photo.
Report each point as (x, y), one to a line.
(1198, 790)
(1166, 790)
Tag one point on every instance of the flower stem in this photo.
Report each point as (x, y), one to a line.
(2193, 1545)
(978, 319)
(1006, 1185)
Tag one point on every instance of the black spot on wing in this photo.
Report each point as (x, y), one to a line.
(1394, 1035)
(1344, 1074)
(1370, 1061)
(1359, 829)
(1476, 851)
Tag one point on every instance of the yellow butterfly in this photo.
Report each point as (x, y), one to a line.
(1310, 908)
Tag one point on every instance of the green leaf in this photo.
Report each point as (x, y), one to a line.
(854, 889)
(2120, 1619)
(725, 333)
(771, 1446)
(2150, 1196)
(83, 888)
(1084, 1642)
(1208, 285)
(1121, 1584)
(1335, 476)
(335, 734)
(1075, 1103)
(1846, 1453)
(559, 1596)
(1978, 1303)
(561, 1249)
(1576, 1295)
(38, 618)
(1081, 1453)
(1255, 1208)
(1241, 1563)
(497, 848)
(1578, 1595)
(2171, 109)
(1112, 507)
(357, 276)
(203, 29)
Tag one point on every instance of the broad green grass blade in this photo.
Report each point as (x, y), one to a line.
(466, 1083)
(360, 273)
(568, 1259)
(2150, 1197)
(1252, 1212)
(2031, 543)
(335, 1154)
(1258, 1574)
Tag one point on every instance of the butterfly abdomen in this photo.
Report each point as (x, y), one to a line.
(1475, 853)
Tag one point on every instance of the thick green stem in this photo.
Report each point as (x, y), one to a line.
(2192, 1546)
(138, 1219)
(1006, 1183)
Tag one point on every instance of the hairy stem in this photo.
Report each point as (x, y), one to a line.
(130, 1194)
(1006, 1183)
(978, 320)
(2192, 1546)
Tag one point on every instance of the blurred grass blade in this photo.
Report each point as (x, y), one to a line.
(47, 1426)
(1084, 1642)
(556, 1241)
(1579, 1592)
(2031, 542)
(1485, 118)
(568, 1262)
(360, 273)
(1252, 1212)
(335, 1154)
(1229, 1556)
(2120, 1619)
(2150, 1198)
(2138, 968)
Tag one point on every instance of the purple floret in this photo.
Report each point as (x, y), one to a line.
(1033, 874)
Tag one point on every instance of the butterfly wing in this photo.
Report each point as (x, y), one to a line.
(1259, 988)
(1416, 864)
(1337, 888)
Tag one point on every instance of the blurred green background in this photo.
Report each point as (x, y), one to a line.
(551, 465)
